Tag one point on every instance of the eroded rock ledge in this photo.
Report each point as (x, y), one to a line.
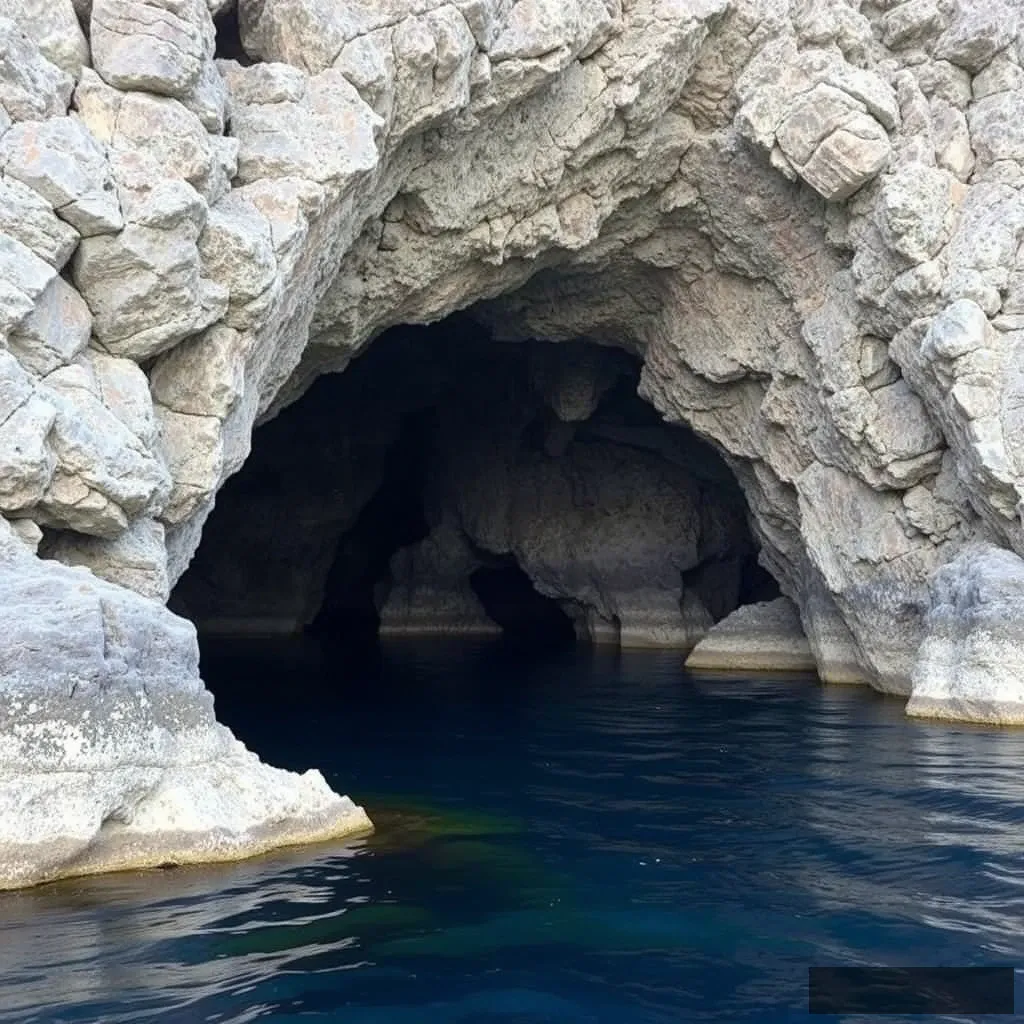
(805, 218)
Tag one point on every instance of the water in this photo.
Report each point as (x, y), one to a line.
(574, 838)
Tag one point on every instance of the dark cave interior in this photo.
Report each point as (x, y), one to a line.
(446, 483)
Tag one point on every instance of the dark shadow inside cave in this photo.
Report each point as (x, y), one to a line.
(228, 41)
(523, 614)
(449, 484)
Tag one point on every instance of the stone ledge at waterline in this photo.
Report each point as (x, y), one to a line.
(804, 220)
(763, 637)
(110, 755)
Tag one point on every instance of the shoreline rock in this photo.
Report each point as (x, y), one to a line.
(763, 637)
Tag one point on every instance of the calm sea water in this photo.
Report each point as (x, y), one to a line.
(571, 838)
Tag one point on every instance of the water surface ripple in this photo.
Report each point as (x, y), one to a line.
(573, 838)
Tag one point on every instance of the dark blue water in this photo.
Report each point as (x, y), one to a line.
(577, 838)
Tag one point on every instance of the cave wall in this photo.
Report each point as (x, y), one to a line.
(804, 216)
(441, 452)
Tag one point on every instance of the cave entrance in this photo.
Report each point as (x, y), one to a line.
(446, 483)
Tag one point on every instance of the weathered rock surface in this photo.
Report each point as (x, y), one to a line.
(110, 755)
(969, 666)
(805, 219)
(763, 637)
(430, 591)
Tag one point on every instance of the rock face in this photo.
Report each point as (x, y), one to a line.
(804, 218)
(763, 637)
(110, 755)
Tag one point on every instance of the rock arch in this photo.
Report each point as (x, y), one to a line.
(805, 218)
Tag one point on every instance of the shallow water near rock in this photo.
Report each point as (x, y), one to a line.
(567, 837)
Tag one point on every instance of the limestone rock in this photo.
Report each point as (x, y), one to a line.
(145, 286)
(124, 390)
(647, 176)
(969, 663)
(764, 637)
(194, 450)
(110, 756)
(237, 250)
(27, 217)
(977, 32)
(104, 475)
(28, 532)
(24, 277)
(55, 332)
(327, 136)
(137, 559)
(27, 462)
(53, 26)
(64, 164)
(833, 143)
(430, 593)
(31, 88)
(156, 46)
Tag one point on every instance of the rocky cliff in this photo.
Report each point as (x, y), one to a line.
(804, 217)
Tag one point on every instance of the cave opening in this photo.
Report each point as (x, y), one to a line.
(228, 37)
(449, 484)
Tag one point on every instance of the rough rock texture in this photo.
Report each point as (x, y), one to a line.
(969, 666)
(429, 590)
(110, 755)
(805, 217)
(763, 637)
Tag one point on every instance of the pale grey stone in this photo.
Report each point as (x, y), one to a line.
(969, 663)
(977, 31)
(124, 390)
(55, 332)
(27, 217)
(157, 139)
(105, 476)
(23, 279)
(28, 532)
(145, 287)
(263, 83)
(156, 46)
(833, 143)
(626, 175)
(764, 637)
(31, 88)
(911, 23)
(136, 559)
(916, 211)
(26, 418)
(237, 251)
(203, 376)
(53, 26)
(64, 164)
(105, 719)
(193, 447)
(327, 137)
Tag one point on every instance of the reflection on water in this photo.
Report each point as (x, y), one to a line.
(585, 837)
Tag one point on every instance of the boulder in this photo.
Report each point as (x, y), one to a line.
(763, 637)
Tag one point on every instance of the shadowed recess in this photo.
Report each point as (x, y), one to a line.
(446, 483)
